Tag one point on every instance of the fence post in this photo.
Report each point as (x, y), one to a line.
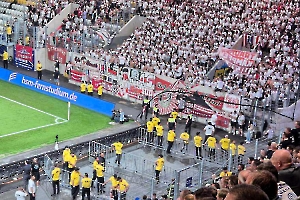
(152, 186)
(176, 186)
(230, 160)
(256, 147)
(200, 172)
(89, 151)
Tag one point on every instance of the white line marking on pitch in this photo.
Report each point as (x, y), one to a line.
(30, 107)
(35, 128)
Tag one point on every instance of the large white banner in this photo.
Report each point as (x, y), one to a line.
(233, 103)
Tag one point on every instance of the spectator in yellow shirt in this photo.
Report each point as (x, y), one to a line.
(39, 70)
(82, 87)
(118, 148)
(171, 138)
(159, 164)
(72, 163)
(27, 40)
(155, 120)
(75, 180)
(185, 140)
(55, 179)
(66, 157)
(174, 113)
(123, 187)
(100, 91)
(241, 152)
(159, 133)
(86, 186)
(225, 172)
(90, 89)
(198, 145)
(5, 59)
(150, 135)
(95, 163)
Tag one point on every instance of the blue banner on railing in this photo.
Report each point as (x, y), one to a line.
(24, 57)
(97, 105)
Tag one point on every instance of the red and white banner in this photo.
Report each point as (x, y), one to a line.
(239, 61)
(77, 75)
(233, 103)
(24, 57)
(57, 53)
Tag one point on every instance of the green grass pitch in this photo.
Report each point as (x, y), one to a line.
(30, 120)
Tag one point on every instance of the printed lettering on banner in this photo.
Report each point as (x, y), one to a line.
(24, 57)
(57, 53)
(161, 84)
(233, 104)
(239, 61)
(77, 75)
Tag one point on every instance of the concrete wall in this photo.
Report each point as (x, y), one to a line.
(129, 28)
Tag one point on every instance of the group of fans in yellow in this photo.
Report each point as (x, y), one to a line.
(155, 129)
(119, 186)
(90, 89)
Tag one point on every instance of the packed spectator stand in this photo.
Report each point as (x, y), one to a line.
(180, 39)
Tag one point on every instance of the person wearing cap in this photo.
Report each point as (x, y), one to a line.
(123, 187)
(86, 186)
(55, 179)
(225, 142)
(159, 164)
(5, 59)
(114, 185)
(75, 180)
(56, 76)
(90, 89)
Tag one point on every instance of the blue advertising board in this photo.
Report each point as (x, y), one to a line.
(97, 105)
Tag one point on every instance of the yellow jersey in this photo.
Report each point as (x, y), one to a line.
(171, 136)
(185, 137)
(90, 88)
(118, 147)
(5, 56)
(39, 67)
(159, 130)
(66, 155)
(86, 182)
(72, 161)
(159, 164)
(27, 40)
(75, 178)
(155, 121)
(100, 90)
(123, 185)
(233, 149)
(114, 182)
(8, 30)
(198, 141)
(95, 163)
(55, 174)
(150, 126)
(82, 87)
(241, 150)
(225, 143)
(99, 170)
(211, 142)
(174, 114)
(222, 174)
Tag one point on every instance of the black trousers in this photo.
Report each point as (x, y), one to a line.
(39, 73)
(70, 172)
(150, 137)
(118, 158)
(94, 177)
(198, 151)
(159, 140)
(87, 192)
(170, 144)
(157, 172)
(55, 185)
(240, 158)
(74, 191)
(31, 197)
(5, 64)
(100, 180)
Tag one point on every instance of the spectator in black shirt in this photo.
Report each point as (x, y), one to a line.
(35, 170)
(271, 150)
(296, 133)
(26, 173)
(285, 142)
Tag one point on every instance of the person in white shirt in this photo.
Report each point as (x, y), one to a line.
(209, 131)
(31, 188)
(233, 122)
(21, 194)
(214, 118)
(241, 123)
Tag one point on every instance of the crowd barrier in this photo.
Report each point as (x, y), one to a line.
(58, 92)
(13, 171)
